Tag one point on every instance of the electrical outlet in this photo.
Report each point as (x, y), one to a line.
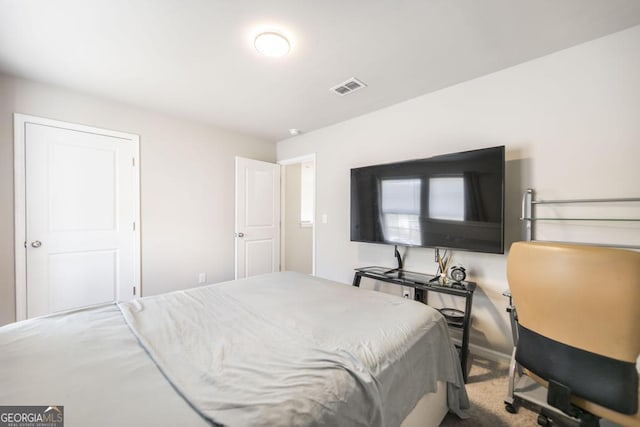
(406, 293)
(202, 278)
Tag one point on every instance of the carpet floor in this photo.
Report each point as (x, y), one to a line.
(487, 388)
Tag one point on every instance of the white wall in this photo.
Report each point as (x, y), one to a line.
(187, 185)
(570, 122)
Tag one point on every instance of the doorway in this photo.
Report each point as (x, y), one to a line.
(298, 214)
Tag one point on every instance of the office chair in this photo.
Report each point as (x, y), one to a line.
(578, 323)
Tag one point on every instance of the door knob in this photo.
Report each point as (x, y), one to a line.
(36, 244)
(240, 234)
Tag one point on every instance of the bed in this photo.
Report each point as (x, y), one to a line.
(273, 350)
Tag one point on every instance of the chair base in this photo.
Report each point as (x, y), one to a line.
(549, 418)
(524, 391)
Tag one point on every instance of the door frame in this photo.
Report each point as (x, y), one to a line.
(19, 176)
(283, 199)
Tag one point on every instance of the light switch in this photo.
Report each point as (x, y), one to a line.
(325, 218)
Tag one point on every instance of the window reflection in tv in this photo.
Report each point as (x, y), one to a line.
(446, 198)
(400, 212)
(451, 201)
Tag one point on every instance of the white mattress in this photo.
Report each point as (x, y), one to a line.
(279, 349)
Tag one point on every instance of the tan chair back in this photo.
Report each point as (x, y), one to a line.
(583, 296)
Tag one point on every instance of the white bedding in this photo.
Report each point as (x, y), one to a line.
(89, 362)
(280, 349)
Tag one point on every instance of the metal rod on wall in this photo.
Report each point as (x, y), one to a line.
(529, 218)
(624, 200)
(527, 214)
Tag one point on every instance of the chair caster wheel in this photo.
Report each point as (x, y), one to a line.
(543, 420)
(510, 408)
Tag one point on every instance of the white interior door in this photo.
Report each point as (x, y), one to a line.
(81, 204)
(257, 217)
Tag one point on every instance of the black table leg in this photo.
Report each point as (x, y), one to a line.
(356, 279)
(464, 349)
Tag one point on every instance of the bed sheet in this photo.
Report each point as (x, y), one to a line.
(89, 362)
(280, 349)
(292, 349)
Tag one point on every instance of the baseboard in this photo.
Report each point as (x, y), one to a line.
(486, 353)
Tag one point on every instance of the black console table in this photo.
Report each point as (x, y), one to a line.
(423, 284)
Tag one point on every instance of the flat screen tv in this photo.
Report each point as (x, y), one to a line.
(453, 201)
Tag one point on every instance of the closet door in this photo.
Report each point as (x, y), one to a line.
(81, 243)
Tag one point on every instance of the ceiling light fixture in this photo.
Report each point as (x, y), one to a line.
(272, 44)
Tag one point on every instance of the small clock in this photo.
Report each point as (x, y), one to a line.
(457, 274)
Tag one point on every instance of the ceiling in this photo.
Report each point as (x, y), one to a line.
(195, 58)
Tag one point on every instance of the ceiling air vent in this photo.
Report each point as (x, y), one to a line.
(347, 87)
